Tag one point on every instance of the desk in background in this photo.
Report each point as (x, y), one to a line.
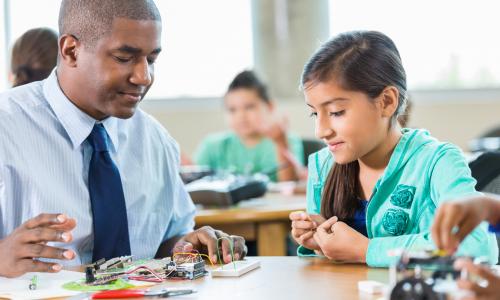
(264, 220)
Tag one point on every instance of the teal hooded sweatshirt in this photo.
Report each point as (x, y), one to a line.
(422, 173)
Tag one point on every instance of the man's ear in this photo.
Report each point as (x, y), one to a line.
(389, 101)
(69, 47)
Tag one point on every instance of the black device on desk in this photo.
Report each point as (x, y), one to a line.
(194, 172)
(227, 190)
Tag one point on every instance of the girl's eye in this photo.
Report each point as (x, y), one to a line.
(313, 114)
(337, 113)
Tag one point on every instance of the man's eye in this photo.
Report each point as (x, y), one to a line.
(122, 59)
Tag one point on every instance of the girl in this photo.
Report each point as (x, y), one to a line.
(258, 141)
(377, 185)
(34, 55)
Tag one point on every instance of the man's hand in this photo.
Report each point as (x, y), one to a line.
(21, 249)
(206, 240)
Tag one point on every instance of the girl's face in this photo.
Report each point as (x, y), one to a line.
(350, 123)
(246, 112)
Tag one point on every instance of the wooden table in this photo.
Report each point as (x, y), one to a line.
(287, 278)
(264, 220)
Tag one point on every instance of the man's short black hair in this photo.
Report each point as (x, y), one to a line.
(90, 20)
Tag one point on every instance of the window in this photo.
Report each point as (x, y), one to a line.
(205, 43)
(20, 19)
(40, 14)
(444, 44)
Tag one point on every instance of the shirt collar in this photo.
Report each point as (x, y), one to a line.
(75, 122)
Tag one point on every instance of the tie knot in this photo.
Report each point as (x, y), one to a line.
(98, 138)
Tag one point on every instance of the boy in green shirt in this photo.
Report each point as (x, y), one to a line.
(258, 142)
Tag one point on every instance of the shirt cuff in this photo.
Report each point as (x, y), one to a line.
(303, 251)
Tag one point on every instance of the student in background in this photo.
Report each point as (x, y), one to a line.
(259, 141)
(465, 215)
(376, 185)
(34, 55)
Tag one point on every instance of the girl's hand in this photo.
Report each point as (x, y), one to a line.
(303, 229)
(491, 291)
(340, 242)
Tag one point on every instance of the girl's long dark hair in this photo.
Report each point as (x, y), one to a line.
(364, 61)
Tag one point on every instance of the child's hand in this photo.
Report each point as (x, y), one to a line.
(492, 291)
(340, 242)
(275, 129)
(462, 216)
(303, 229)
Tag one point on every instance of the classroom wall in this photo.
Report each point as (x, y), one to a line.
(452, 120)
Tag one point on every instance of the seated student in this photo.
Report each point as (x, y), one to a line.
(34, 55)
(465, 215)
(258, 141)
(84, 173)
(377, 185)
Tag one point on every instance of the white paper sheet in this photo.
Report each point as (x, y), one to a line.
(49, 285)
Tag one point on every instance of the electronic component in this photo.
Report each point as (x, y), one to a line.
(236, 268)
(33, 283)
(424, 275)
(226, 190)
(190, 270)
(185, 266)
(113, 263)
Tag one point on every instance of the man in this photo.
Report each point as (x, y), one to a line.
(84, 173)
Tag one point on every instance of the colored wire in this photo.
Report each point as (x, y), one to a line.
(193, 254)
(230, 247)
(147, 269)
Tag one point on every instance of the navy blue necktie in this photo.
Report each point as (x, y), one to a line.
(109, 212)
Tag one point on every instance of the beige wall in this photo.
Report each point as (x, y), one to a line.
(456, 121)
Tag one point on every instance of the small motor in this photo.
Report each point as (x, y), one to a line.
(423, 275)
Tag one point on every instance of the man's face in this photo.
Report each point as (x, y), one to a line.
(118, 70)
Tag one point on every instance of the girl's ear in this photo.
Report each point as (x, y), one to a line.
(389, 101)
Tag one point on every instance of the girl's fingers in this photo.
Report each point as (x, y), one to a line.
(328, 223)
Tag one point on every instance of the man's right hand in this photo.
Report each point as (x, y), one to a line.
(303, 229)
(21, 249)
